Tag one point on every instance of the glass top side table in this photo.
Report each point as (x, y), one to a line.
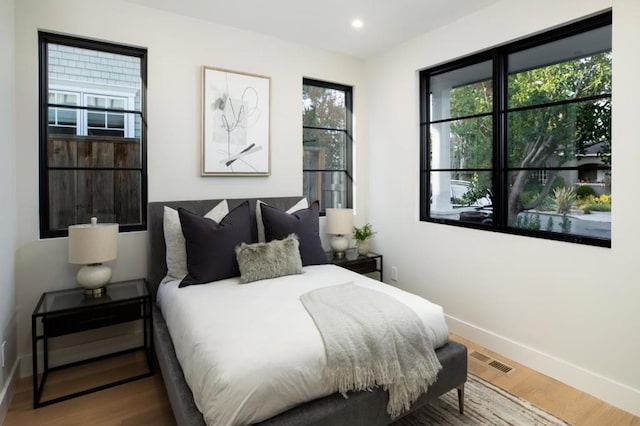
(63, 312)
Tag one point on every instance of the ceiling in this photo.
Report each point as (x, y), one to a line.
(326, 24)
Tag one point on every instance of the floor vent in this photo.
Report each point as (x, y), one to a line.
(485, 359)
(479, 356)
(500, 366)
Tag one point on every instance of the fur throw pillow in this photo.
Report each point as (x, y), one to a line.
(261, 261)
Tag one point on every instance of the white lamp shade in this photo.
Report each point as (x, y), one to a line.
(93, 243)
(339, 221)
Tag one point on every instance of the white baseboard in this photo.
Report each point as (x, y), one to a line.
(6, 394)
(614, 393)
(83, 351)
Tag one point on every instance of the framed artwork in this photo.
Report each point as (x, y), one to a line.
(235, 123)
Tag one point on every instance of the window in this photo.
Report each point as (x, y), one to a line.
(510, 136)
(104, 122)
(327, 138)
(92, 134)
(63, 120)
(99, 121)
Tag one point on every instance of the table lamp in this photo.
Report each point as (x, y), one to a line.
(339, 223)
(91, 244)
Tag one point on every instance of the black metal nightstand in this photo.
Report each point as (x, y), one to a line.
(69, 311)
(362, 264)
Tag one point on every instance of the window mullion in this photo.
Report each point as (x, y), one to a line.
(425, 180)
(500, 155)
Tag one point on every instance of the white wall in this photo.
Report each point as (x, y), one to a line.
(568, 310)
(8, 195)
(177, 49)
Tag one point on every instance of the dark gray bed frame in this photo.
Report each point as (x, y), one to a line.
(361, 408)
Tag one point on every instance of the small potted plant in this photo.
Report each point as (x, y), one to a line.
(362, 235)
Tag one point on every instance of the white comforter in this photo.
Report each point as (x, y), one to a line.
(252, 351)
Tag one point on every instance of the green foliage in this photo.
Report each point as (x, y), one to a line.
(558, 182)
(564, 197)
(361, 234)
(597, 207)
(533, 185)
(550, 224)
(584, 191)
(324, 108)
(591, 203)
(565, 224)
(537, 137)
(568, 129)
(534, 188)
(528, 196)
(476, 190)
(528, 221)
(472, 139)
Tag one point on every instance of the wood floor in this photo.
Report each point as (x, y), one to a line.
(144, 402)
(571, 405)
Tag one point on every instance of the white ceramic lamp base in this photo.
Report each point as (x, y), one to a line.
(93, 278)
(339, 244)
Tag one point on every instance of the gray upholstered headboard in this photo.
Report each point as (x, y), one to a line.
(156, 254)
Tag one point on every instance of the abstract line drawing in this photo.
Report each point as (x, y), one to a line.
(235, 135)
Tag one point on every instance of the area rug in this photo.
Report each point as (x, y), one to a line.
(484, 404)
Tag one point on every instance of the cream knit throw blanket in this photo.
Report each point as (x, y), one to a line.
(370, 340)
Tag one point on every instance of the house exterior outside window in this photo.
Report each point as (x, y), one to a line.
(106, 123)
(327, 128)
(92, 134)
(63, 120)
(521, 129)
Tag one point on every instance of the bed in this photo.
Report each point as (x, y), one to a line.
(361, 408)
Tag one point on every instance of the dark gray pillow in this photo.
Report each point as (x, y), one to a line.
(261, 261)
(211, 246)
(304, 223)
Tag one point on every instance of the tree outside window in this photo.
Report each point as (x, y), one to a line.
(327, 139)
(528, 127)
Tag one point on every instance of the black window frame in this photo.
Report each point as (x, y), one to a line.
(348, 131)
(44, 39)
(500, 110)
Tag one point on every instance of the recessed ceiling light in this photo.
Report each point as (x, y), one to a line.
(357, 23)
